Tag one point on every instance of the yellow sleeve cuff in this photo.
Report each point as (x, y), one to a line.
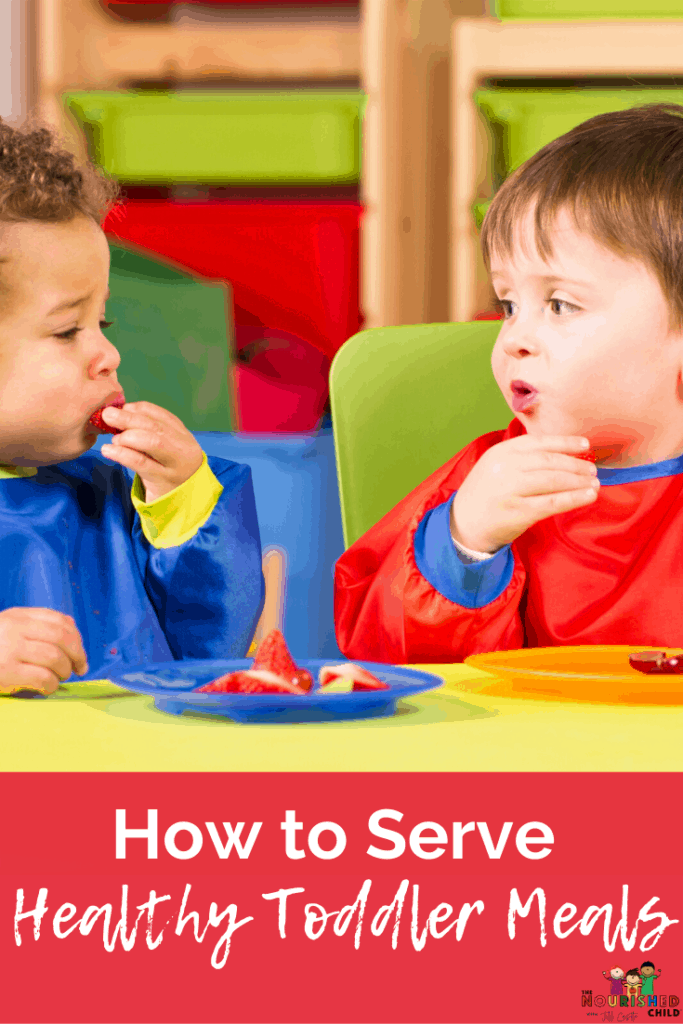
(177, 516)
(8, 472)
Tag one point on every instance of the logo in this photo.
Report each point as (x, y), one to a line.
(630, 995)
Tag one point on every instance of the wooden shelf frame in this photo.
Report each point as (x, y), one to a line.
(487, 48)
(80, 46)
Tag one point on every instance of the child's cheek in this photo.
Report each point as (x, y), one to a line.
(497, 365)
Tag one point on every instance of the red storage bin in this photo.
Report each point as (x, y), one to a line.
(293, 267)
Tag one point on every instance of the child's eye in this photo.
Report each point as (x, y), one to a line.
(562, 308)
(505, 306)
(70, 334)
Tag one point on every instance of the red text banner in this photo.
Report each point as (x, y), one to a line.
(341, 897)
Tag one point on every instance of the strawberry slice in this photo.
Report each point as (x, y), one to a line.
(657, 663)
(96, 418)
(303, 678)
(250, 681)
(273, 671)
(273, 655)
(362, 679)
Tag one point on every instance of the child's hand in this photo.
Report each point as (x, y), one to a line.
(155, 444)
(39, 648)
(515, 484)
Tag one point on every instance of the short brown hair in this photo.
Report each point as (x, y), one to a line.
(621, 176)
(41, 181)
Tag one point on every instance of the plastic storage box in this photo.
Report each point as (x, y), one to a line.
(568, 10)
(213, 3)
(528, 119)
(174, 335)
(238, 136)
(292, 266)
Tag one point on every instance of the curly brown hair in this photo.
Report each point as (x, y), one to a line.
(39, 180)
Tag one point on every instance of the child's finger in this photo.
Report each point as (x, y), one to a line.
(545, 505)
(148, 442)
(554, 482)
(556, 442)
(30, 677)
(139, 461)
(141, 414)
(557, 461)
(124, 420)
(60, 636)
(47, 655)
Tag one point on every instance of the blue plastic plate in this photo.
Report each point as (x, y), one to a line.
(172, 683)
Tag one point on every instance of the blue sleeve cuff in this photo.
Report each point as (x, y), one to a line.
(468, 585)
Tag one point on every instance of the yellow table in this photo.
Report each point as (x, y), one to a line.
(473, 723)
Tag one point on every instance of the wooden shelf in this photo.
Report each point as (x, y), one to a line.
(79, 46)
(486, 48)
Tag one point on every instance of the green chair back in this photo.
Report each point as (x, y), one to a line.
(172, 333)
(404, 400)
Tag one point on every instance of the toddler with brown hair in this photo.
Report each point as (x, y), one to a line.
(519, 540)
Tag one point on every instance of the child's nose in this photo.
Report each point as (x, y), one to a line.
(519, 341)
(107, 360)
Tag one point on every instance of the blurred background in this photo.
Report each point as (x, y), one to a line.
(293, 173)
(330, 163)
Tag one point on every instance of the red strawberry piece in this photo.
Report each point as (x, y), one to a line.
(656, 663)
(273, 655)
(250, 681)
(96, 418)
(304, 679)
(596, 454)
(362, 679)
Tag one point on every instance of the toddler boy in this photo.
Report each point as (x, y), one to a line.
(518, 541)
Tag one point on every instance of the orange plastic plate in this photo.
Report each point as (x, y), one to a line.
(600, 674)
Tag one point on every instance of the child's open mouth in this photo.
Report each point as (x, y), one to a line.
(523, 395)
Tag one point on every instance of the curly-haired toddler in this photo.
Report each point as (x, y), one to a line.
(147, 552)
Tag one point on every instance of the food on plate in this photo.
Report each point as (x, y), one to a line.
(275, 671)
(332, 676)
(96, 418)
(273, 655)
(251, 681)
(304, 679)
(657, 663)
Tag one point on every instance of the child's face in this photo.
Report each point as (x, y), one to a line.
(56, 366)
(617, 973)
(647, 972)
(632, 979)
(590, 331)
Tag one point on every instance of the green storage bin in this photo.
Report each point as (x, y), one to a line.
(592, 10)
(174, 336)
(524, 120)
(240, 136)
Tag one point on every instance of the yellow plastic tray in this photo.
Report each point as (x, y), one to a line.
(600, 674)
